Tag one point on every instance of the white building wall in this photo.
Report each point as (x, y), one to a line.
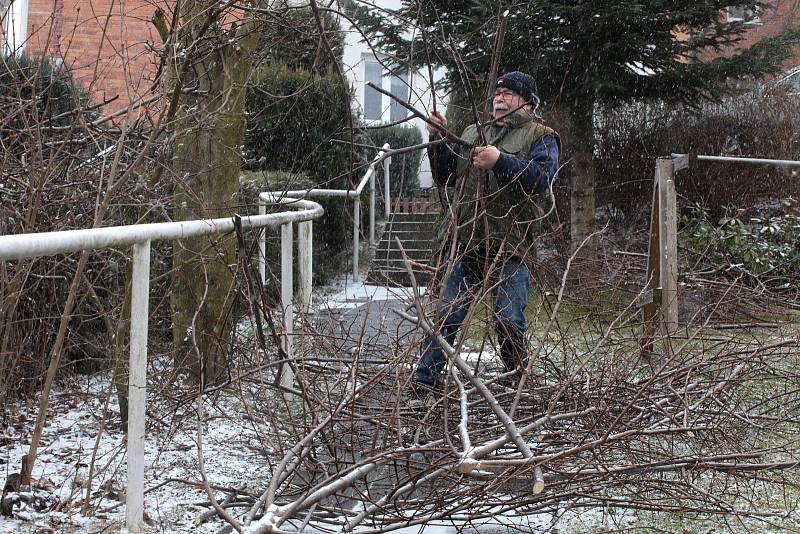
(357, 53)
(14, 15)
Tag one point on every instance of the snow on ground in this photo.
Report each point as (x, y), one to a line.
(69, 446)
(83, 438)
(232, 446)
(344, 293)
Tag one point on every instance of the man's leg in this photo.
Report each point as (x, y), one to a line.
(454, 301)
(510, 299)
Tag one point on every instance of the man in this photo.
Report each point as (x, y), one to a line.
(491, 219)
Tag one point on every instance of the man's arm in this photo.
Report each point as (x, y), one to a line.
(534, 174)
(444, 159)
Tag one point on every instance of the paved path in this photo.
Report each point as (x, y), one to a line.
(361, 313)
(360, 317)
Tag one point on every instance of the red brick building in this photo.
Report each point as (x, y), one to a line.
(782, 16)
(106, 43)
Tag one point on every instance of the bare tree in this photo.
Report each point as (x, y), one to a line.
(211, 59)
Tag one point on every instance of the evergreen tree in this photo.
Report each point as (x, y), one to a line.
(583, 53)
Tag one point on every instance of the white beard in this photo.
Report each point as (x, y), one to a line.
(501, 107)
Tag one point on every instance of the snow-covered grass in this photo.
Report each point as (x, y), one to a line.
(83, 434)
(232, 446)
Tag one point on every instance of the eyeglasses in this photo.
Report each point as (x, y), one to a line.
(504, 92)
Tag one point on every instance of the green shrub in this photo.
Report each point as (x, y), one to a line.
(295, 41)
(404, 169)
(763, 244)
(294, 119)
(42, 94)
(41, 85)
(46, 188)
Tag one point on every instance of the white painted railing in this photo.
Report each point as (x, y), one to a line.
(355, 194)
(20, 246)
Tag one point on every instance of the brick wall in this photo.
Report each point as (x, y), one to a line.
(106, 48)
(784, 15)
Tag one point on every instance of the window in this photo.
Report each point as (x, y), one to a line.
(399, 89)
(372, 99)
(15, 26)
(743, 14)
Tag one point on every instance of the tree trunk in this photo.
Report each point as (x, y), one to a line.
(582, 204)
(207, 162)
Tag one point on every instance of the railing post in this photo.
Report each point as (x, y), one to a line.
(287, 238)
(262, 245)
(305, 243)
(668, 231)
(137, 382)
(372, 209)
(387, 209)
(356, 227)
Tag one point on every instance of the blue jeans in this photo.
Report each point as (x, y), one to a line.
(511, 282)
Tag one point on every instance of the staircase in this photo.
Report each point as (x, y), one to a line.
(417, 232)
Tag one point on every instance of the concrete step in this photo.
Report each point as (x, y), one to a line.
(398, 263)
(416, 244)
(415, 217)
(411, 226)
(416, 232)
(394, 253)
(389, 242)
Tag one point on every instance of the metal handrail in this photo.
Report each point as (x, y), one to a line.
(31, 245)
(355, 194)
(684, 159)
(19, 246)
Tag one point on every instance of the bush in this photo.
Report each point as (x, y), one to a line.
(294, 117)
(295, 41)
(404, 169)
(35, 93)
(755, 124)
(762, 243)
(47, 186)
(48, 87)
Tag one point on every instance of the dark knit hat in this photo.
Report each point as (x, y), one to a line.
(519, 82)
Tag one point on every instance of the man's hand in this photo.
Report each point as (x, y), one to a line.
(485, 157)
(438, 118)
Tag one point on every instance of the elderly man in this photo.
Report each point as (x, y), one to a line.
(491, 219)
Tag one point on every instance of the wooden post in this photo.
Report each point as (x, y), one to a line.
(660, 299)
(668, 230)
(652, 294)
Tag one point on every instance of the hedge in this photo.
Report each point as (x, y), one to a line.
(404, 169)
(300, 123)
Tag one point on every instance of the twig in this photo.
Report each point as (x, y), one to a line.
(447, 133)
